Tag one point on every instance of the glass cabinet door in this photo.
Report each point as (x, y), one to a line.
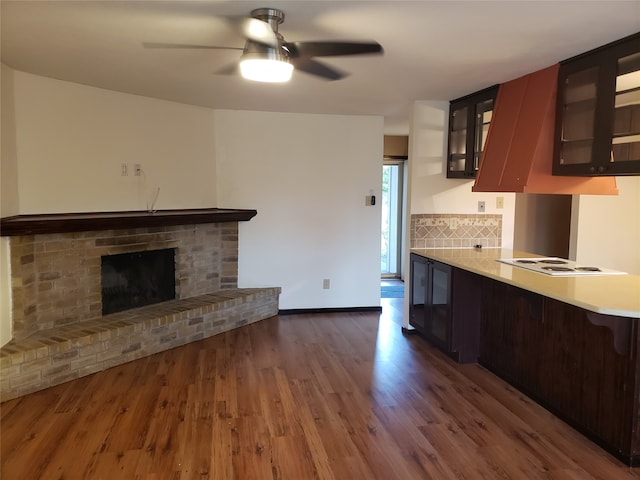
(598, 123)
(418, 293)
(458, 139)
(625, 144)
(483, 114)
(439, 314)
(578, 118)
(469, 120)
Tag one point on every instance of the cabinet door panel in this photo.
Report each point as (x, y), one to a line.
(418, 298)
(510, 333)
(469, 120)
(439, 316)
(483, 116)
(445, 307)
(583, 377)
(598, 96)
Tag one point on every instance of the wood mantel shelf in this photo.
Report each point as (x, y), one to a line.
(82, 222)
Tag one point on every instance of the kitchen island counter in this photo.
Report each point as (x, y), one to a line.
(606, 294)
(570, 343)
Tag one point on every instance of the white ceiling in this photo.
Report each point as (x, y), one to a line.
(434, 50)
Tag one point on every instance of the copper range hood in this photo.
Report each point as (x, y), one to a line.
(518, 153)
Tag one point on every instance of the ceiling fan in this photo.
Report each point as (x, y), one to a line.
(268, 57)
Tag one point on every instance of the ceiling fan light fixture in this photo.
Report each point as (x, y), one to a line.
(261, 68)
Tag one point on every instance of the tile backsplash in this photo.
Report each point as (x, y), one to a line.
(452, 230)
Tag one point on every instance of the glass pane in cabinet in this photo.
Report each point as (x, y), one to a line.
(626, 123)
(439, 304)
(418, 287)
(578, 121)
(578, 117)
(456, 163)
(459, 119)
(458, 142)
(626, 149)
(440, 287)
(484, 112)
(418, 292)
(572, 153)
(581, 86)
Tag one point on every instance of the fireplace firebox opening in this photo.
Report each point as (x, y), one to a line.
(136, 279)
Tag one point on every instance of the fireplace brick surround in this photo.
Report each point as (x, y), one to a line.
(59, 333)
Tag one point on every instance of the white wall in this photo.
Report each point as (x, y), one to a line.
(72, 139)
(9, 192)
(606, 229)
(430, 190)
(9, 165)
(307, 175)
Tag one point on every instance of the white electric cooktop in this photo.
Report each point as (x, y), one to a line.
(558, 266)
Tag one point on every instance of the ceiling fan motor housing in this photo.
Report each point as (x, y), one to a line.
(272, 16)
(254, 49)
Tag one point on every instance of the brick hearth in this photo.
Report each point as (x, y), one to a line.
(49, 358)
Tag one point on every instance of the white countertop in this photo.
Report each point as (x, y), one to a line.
(607, 294)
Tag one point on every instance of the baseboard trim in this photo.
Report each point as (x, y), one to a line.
(296, 311)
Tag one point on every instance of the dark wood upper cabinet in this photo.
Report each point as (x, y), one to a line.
(598, 112)
(469, 119)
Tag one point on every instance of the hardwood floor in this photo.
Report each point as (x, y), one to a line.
(336, 396)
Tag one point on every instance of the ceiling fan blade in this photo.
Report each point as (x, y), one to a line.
(330, 49)
(187, 46)
(316, 68)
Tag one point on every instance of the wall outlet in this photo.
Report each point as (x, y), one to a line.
(481, 206)
(499, 202)
(326, 284)
(137, 170)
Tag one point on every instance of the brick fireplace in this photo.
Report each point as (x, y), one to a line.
(56, 277)
(59, 332)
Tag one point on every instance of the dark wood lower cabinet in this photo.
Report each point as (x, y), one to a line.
(444, 307)
(581, 365)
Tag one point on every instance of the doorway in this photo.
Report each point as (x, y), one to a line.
(393, 179)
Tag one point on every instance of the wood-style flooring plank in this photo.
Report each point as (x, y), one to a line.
(323, 397)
